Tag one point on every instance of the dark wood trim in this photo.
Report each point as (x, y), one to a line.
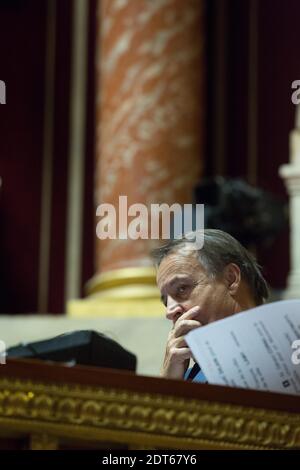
(54, 373)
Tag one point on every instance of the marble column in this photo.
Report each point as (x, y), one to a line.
(291, 175)
(149, 139)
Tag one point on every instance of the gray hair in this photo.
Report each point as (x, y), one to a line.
(219, 250)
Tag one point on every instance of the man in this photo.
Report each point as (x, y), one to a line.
(202, 286)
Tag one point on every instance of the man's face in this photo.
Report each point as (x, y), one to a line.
(184, 284)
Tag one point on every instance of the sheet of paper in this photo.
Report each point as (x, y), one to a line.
(254, 349)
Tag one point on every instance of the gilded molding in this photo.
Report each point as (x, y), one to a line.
(153, 419)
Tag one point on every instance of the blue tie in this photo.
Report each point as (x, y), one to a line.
(195, 374)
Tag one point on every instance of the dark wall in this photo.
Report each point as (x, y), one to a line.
(279, 66)
(61, 136)
(23, 46)
(277, 35)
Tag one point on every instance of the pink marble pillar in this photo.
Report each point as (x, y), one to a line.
(150, 103)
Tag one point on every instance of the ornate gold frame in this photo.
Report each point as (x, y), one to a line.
(51, 413)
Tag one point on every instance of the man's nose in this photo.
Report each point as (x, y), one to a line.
(173, 309)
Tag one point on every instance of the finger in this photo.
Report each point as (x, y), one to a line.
(190, 314)
(184, 326)
(178, 343)
(180, 354)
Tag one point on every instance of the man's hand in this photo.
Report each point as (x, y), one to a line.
(178, 354)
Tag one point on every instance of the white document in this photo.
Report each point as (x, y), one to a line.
(256, 349)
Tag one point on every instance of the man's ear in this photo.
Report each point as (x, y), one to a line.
(232, 277)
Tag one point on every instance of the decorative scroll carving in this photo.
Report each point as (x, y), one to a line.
(153, 418)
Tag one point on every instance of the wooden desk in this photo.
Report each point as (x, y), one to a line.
(45, 406)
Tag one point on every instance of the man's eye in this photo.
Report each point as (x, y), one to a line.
(181, 289)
